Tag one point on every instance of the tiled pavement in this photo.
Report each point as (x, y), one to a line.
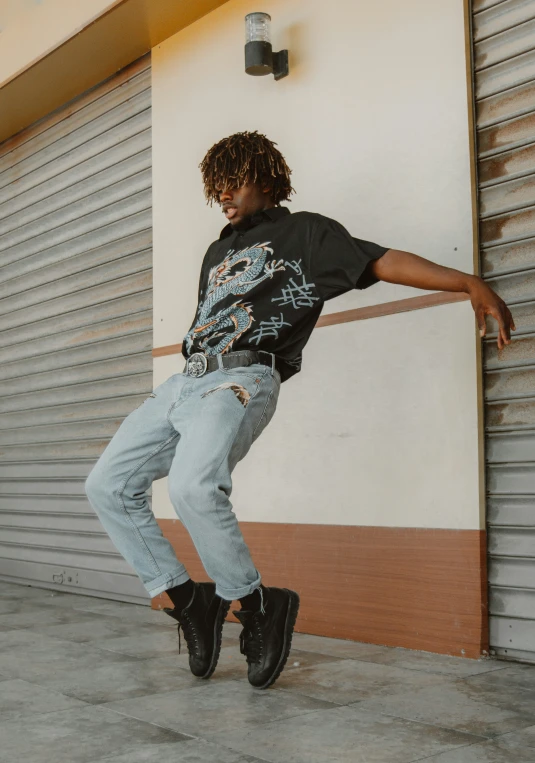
(85, 680)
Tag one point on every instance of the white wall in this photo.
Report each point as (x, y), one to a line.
(373, 121)
(29, 29)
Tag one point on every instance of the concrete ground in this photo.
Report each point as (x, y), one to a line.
(84, 679)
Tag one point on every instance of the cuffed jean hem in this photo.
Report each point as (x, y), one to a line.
(161, 584)
(231, 594)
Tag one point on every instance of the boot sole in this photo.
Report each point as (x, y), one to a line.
(222, 612)
(291, 617)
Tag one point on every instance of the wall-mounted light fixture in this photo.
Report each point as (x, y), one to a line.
(259, 56)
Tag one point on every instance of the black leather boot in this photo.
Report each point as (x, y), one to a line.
(266, 637)
(202, 624)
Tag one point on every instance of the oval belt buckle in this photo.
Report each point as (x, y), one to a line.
(197, 364)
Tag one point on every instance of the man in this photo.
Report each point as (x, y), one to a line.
(262, 287)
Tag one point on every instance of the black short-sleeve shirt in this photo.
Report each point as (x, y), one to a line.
(264, 282)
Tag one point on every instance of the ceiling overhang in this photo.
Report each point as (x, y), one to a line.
(125, 32)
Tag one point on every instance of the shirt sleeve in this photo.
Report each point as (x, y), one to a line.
(339, 262)
(199, 297)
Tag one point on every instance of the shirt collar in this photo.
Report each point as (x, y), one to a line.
(273, 214)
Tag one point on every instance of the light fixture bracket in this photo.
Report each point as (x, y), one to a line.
(280, 64)
(261, 60)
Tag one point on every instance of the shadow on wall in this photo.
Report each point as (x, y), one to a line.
(293, 37)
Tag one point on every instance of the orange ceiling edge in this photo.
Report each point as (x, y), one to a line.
(125, 32)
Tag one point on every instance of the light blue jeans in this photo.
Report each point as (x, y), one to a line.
(193, 430)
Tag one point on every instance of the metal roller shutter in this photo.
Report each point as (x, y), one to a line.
(504, 64)
(75, 327)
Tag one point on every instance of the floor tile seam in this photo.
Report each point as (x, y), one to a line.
(276, 690)
(37, 635)
(380, 650)
(477, 740)
(61, 641)
(106, 620)
(230, 747)
(90, 614)
(337, 657)
(105, 615)
(76, 671)
(118, 613)
(35, 605)
(451, 676)
(422, 670)
(435, 726)
(51, 690)
(320, 654)
(497, 689)
(441, 677)
(252, 726)
(452, 680)
(309, 696)
(152, 696)
(494, 701)
(49, 712)
(40, 631)
(150, 723)
(74, 639)
(510, 668)
(98, 703)
(73, 696)
(135, 623)
(260, 724)
(137, 657)
(516, 731)
(452, 749)
(185, 741)
(58, 603)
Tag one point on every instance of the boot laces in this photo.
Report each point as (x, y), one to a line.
(190, 634)
(252, 640)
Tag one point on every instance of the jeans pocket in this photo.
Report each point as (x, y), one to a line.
(267, 414)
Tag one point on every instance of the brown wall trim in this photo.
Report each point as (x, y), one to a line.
(415, 588)
(361, 313)
(170, 349)
(121, 35)
(391, 308)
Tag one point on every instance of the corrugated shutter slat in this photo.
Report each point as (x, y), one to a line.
(75, 326)
(504, 59)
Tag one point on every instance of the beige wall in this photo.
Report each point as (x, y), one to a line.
(373, 120)
(29, 29)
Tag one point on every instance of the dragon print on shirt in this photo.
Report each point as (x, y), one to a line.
(237, 274)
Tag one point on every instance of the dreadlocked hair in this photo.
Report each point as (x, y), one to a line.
(245, 157)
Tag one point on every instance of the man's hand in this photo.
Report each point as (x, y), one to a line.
(408, 269)
(487, 302)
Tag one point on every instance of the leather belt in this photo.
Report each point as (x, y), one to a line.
(200, 364)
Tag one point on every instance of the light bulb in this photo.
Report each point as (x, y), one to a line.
(258, 27)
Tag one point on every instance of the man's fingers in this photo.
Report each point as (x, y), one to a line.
(504, 318)
(480, 318)
(506, 330)
(511, 320)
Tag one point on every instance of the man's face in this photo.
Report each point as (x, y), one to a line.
(239, 203)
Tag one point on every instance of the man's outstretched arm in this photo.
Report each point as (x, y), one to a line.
(410, 270)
